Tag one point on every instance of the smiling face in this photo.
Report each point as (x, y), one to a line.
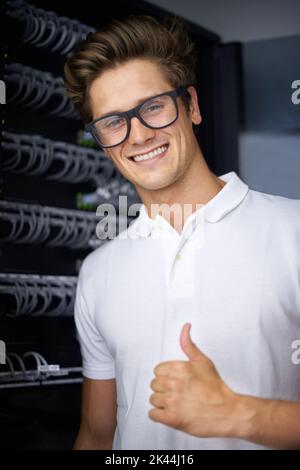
(173, 148)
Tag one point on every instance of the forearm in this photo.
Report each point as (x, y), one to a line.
(86, 440)
(273, 423)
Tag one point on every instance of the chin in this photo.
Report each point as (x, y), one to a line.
(155, 185)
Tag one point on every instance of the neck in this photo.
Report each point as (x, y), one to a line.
(196, 187)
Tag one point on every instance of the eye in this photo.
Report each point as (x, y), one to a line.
(113, 123)
(151, 107)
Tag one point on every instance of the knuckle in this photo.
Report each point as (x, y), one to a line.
(152, 399)
(180, 367)
(173, 420)
(173, 384)
(153, 383)
(170, 399)
(153, 414)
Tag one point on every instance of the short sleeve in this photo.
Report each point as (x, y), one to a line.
(97, 362)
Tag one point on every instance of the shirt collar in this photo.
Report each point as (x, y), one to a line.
(230, 196)
(227, 199)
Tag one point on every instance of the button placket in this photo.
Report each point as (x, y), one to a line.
(181, 275)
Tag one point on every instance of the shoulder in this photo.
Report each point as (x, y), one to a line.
(93, 261)
(279, 216)
(97, 263)
(279, 207)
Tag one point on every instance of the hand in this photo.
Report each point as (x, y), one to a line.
(191, 396)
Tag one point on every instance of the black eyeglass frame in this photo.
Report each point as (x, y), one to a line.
(134, 112)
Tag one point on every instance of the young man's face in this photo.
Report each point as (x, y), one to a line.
(123, 88)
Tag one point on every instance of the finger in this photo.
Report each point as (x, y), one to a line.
(163, 384)
(157, 414)
(162, 415)
(158, 384)
(166, 368)
(188, 347)
(157, 400)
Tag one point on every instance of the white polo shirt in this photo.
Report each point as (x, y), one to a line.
(233, 272)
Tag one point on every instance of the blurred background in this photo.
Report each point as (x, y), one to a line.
(53, 177)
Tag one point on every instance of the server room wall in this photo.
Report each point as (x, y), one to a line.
(52, 180)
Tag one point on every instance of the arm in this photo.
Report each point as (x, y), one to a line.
(191, 396)
(98, 418)
(274, 423)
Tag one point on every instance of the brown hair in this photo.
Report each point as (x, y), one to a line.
(137, 36)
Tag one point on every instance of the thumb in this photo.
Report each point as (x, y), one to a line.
(188, 347)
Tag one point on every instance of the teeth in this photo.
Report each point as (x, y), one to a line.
(147, 156)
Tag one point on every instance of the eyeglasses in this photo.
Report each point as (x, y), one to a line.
(156, 112)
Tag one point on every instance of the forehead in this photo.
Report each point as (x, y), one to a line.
(124, 86)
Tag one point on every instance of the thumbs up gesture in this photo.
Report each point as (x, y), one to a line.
(191, 396)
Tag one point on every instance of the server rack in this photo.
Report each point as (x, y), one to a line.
(45, 200)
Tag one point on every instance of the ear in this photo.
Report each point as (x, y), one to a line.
(194, 106)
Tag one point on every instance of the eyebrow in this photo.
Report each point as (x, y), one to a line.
(140, 101)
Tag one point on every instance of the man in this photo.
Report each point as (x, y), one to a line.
(230, 268)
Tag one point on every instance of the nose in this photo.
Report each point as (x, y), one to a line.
(139, 133)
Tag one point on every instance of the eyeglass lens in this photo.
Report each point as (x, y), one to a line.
(156, 112)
